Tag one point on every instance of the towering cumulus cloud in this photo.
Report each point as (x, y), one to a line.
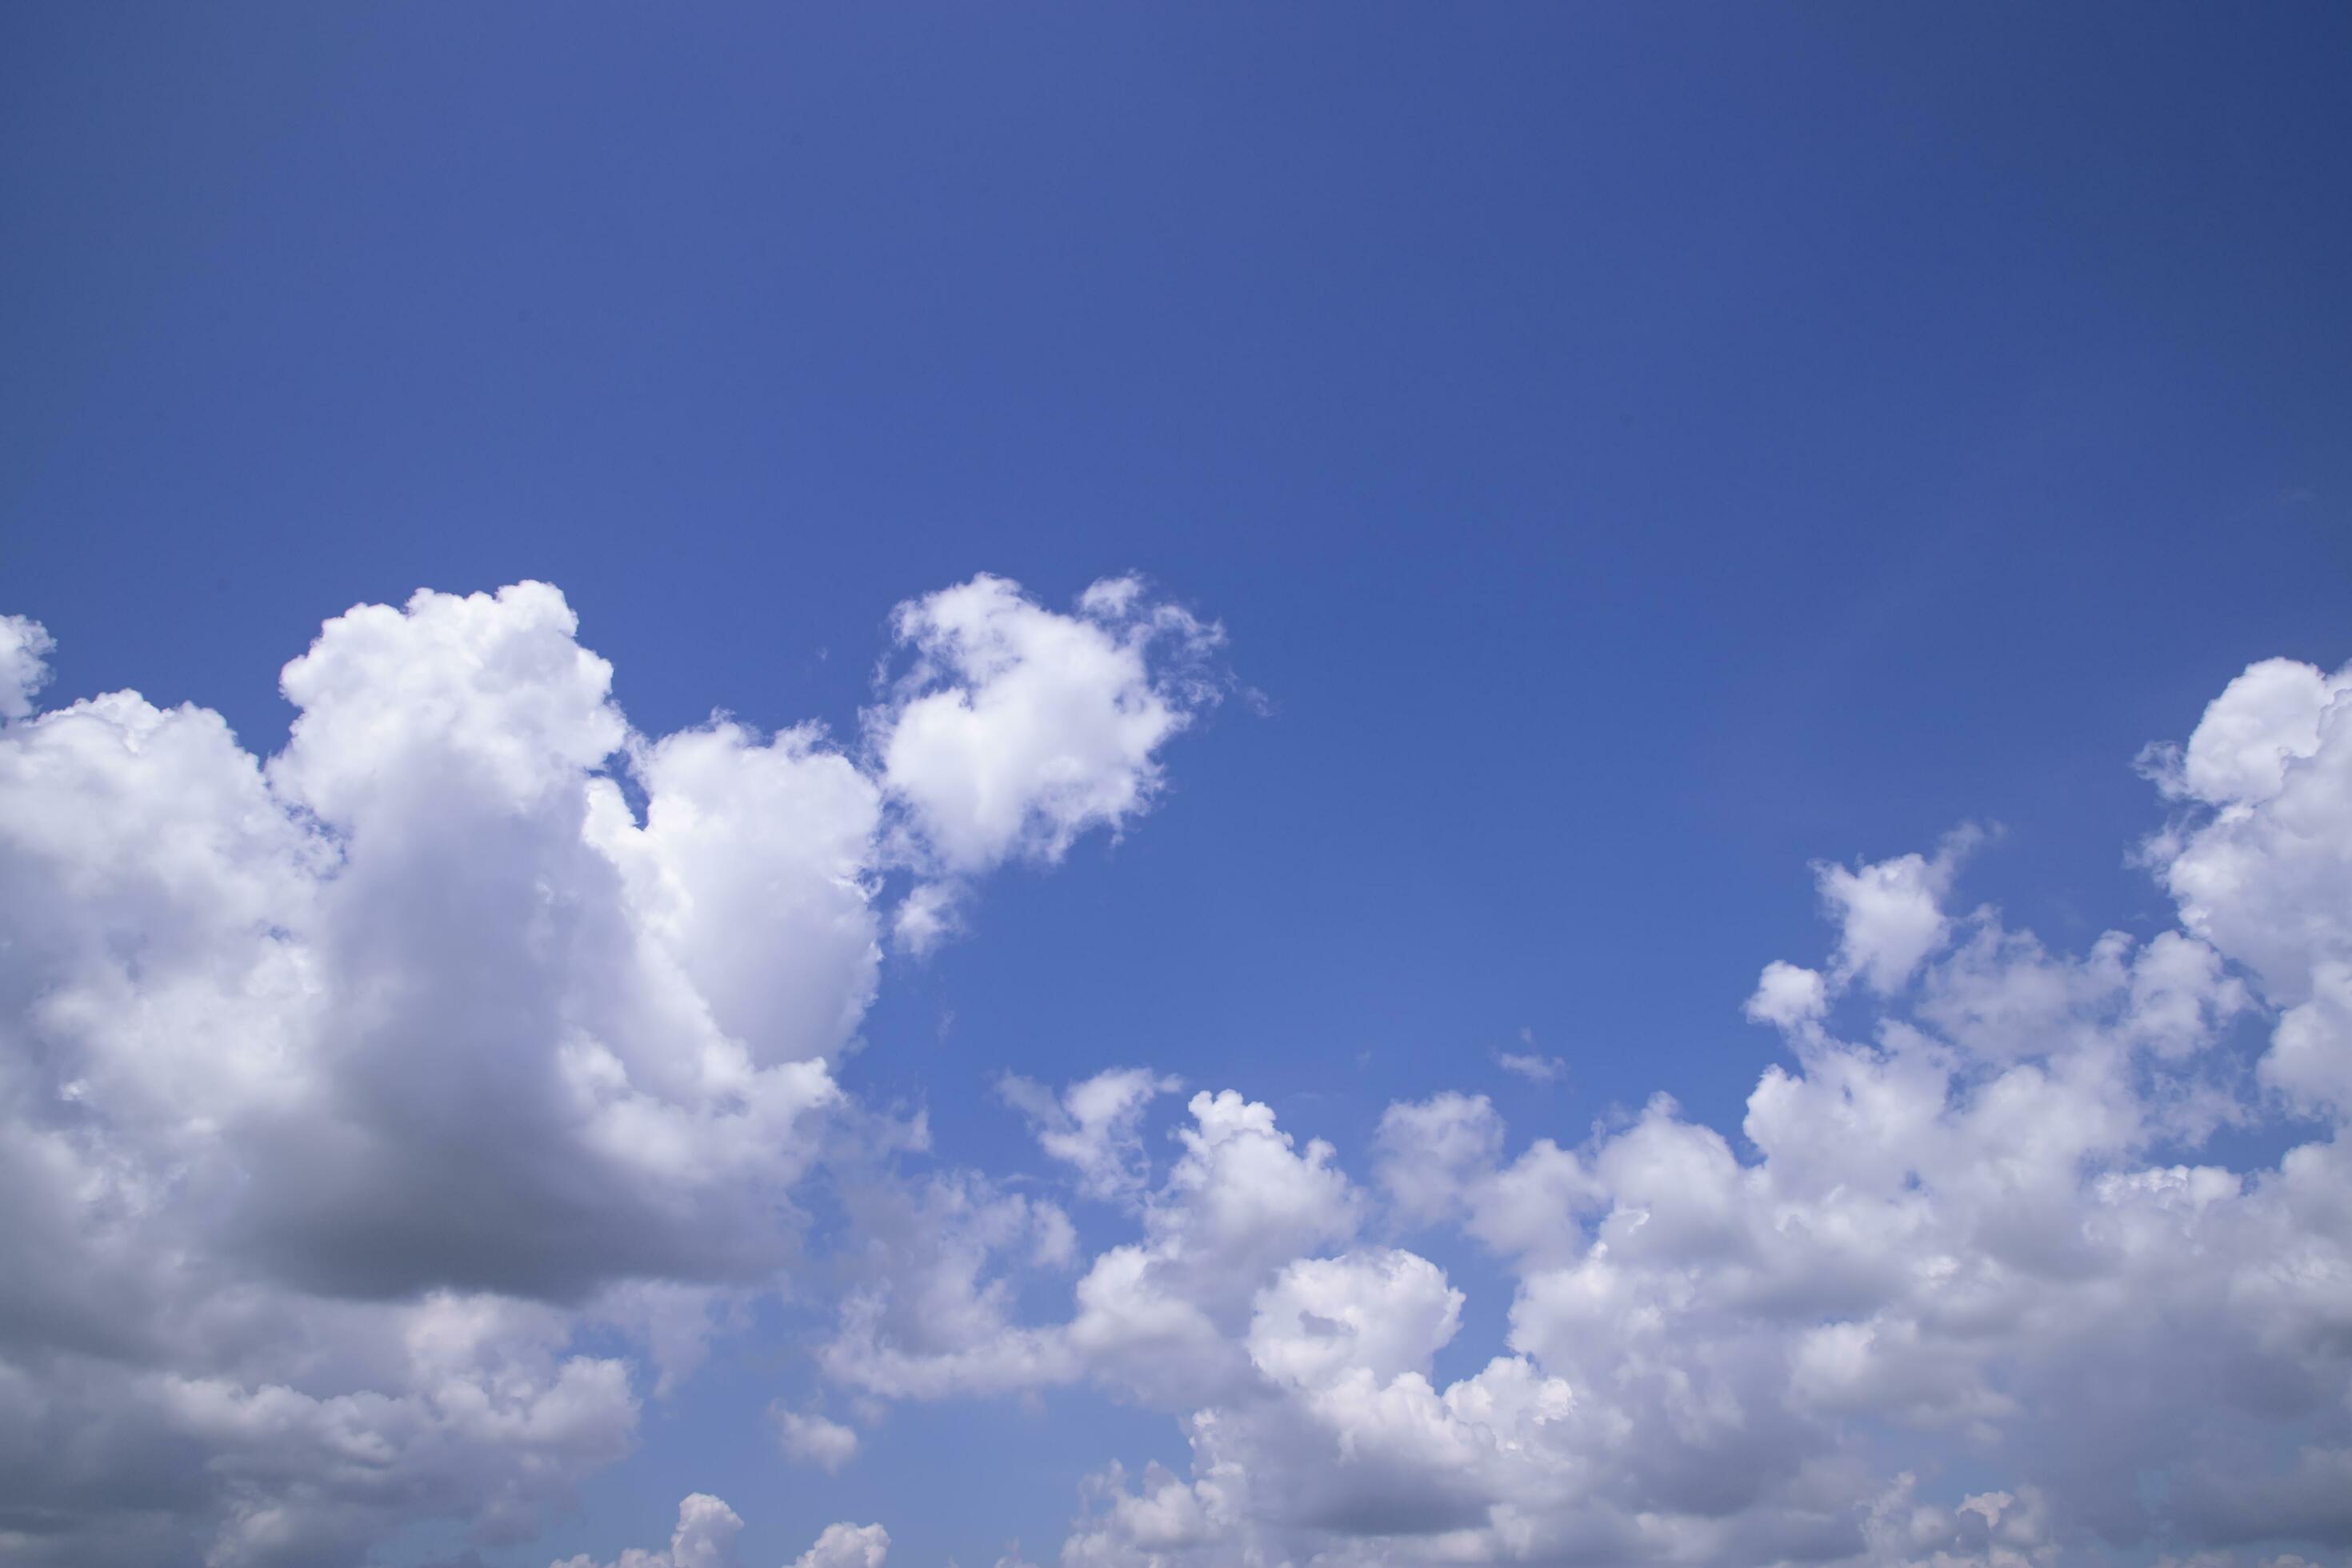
(382, 1121)
(341, 1092)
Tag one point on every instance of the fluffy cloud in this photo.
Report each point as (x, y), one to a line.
(1788, 996)
(1979, 1241)
(1890, 914)
(25, 647)
(931, 1310)
(1092, 1127)
(342, 1092)
(707, 1531)
(809, 1438)
(1016, 728)
(2261, 865)
(1161, 1316)
(705, 1538)
(847, 1546)
(379, 1119)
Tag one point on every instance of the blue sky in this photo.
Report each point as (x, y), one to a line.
(1633, 456)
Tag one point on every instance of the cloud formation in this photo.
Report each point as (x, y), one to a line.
(25, 647)
(342, 1090)
(1094, 1126)
(1966, 1234)
(705, 1536)
(1015, 729)
(809, 1438)
(383, 1121)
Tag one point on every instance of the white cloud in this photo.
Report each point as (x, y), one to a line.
(1094, 1126)
(2260, 873)
(1161, 1316)
(1789, 997)
(1890, 912)
(1429, 1153)
(1534, 1068)
(847, 1546)
(930, 1311)
(1162, 1521)
(1954, 1247)
(25, 647)
(1017, 729)
(705, 1538)
(927, 916)
(1531, 1064)
(809, 1438)
(2265, 721)
(342, 1092)
(1382, 1311)
(353, 1101)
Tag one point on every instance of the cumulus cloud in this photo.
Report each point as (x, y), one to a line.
(931, 1310)
(809, 1438)
(847, 1546)
(1789, 997)
(1890, 913)
(343, 1092)
(1431, 1150)
(1093, 1125)
(1161, 1314)
(1980, 1241)
(2260, 866)
(1015, 728)
(2265, 721)
(380, 1118)
(25, 647)
(705, 1536)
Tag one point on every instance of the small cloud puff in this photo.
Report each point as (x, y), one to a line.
(705, 1536)
(25, 647)
(809, 1438)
